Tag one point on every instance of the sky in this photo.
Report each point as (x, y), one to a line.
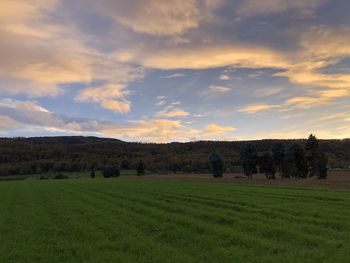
(180, 70)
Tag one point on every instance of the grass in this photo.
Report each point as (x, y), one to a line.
(127, 220)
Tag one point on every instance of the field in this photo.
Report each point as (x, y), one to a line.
(137, 220)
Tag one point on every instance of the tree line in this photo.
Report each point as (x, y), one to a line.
(42, 155)
(293, 161)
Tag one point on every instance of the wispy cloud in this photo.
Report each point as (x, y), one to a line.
(171, 112)
(175, 75)
(225, 77)
(255, 108)
(218, 89)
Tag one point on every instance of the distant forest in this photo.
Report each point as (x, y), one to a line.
(19, 156)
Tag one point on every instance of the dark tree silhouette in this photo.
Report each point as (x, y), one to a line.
(249, 160)
(312, 155)
(111, 171)
(295, 163)
(278, 156)
(92, 173)
(217, 164)
(140, 168)
(322, 164)
(125, 165)
(266, 165)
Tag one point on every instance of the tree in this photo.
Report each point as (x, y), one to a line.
(295, 163)
(312, 155)
(111, 171)
(125, 165)
(92, 172)
(317, 161)
(140, 168)
(217, 164)
(249, 160)
(322, 163)
(266, 165)
(278, 157)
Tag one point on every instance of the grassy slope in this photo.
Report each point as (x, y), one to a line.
(158, 221)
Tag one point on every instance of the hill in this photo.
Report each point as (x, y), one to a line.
(77, 153)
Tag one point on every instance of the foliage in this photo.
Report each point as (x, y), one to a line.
(140, 168)
(249, 159)
(60, 176)
(111, 171)
(41, 155)
(92, 173)
(322, 166)
(278, 156)
(217, 164)
(312, 154)
(317, 160)
(266, 165)
(295, 163)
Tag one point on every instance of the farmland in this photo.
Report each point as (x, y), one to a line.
(130, 220)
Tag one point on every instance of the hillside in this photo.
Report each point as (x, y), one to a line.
(76, 153)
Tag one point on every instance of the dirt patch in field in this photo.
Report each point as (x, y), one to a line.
(335, 180)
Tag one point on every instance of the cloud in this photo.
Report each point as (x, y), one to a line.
(254, 108)
(171, 112)
(50, 55)
(161, 103)
(318, 47)
(267, 7)
(225, 77)
(6, 123)
(175, 75)
(299, 102)
(29, 116)
(110, 96)
(154, 130)
(217, 130)
(218, 89)
(154, 17)
(324, 126)
(192, 57)
(320, 98)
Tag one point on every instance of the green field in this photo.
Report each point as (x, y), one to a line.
(126, 220)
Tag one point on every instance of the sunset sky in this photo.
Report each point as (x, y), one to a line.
(180, 70)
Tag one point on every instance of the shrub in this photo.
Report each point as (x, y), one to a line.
(217, 164)
(60, 176)
(141, 168)
(111, 171)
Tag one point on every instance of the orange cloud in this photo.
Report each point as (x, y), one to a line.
(213, 130)
(172, 112)
(110, 96)
(254, 108)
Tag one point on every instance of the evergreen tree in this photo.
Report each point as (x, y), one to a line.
(111, 171)
(92, 173)
(217, 164)
(140, 168)
(295, 163)
(266, 165)
(312, 155)
(249, 160)
(322, 166)
(278, 157)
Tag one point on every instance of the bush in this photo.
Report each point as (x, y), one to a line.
(111, 171)
(141, 168)
(60, 176)
(217, 164)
